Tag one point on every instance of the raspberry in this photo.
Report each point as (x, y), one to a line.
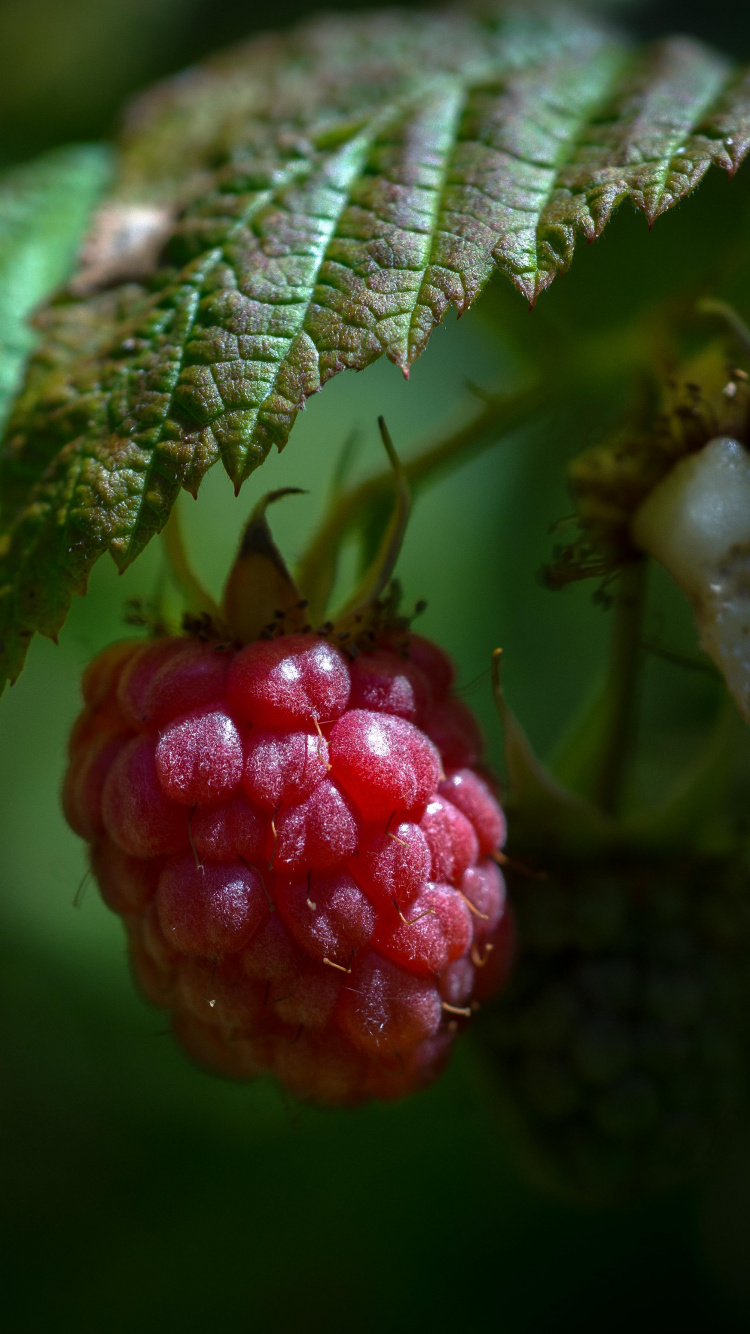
(620, 1044)
(199, 758)
(135, 810)
(306, 880)
(289, 683)
(388, 684)
(386, 765)
(209, 909)
(282, 768)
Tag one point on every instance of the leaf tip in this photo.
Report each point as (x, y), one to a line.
(526, 288)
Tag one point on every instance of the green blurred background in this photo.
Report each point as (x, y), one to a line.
(142, 1194)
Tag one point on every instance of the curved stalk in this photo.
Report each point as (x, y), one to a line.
(198, 599)
(381, 568)
(316, 571)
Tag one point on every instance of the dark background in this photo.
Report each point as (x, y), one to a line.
(139, 1193)
(68, 64)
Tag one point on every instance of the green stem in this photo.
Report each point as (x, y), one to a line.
(378, 575)
(622, 687)
(198, 600)
(497, 418)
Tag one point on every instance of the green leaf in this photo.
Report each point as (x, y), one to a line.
(305, 204)
(44, 208)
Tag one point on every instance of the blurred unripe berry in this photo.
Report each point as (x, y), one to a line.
(620, 1046)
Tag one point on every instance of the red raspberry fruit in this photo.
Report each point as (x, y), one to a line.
(300, 851)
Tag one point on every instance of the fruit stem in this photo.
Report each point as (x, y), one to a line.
(622, 687)
(199, 601)
(381, 568)
(316, 572)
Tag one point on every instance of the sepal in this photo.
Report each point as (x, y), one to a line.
(260, 595)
